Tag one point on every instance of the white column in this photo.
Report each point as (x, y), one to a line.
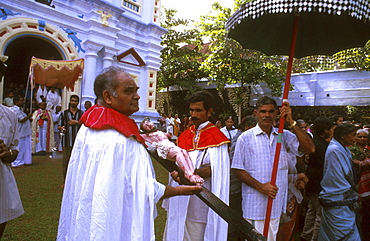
(108, 58)
(91, 56)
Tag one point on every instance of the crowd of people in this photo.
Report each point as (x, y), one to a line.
(42, 120)
(36, 129)
(110, 190)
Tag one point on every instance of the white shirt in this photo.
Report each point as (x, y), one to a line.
(56, 117)
(169, 124)
(24, 129)
(229, 133)
(53, 100)
(40, 92)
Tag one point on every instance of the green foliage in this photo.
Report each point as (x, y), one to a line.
(357, 58)
(350, 109)
(229, 63)
(226, 62)
(313, 64)
(180, 65)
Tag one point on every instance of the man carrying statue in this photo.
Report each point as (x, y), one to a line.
(110, 178)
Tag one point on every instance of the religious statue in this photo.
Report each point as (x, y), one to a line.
(158, 140)
(104, 17)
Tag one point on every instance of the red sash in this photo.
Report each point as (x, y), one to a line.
(209, 136)
(103, 118)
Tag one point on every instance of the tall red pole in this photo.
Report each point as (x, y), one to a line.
(281, 124)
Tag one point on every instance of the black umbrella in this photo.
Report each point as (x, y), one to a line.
(325, 27)
(299, 28)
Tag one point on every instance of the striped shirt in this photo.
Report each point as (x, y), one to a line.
(71, 131)
(254, 153)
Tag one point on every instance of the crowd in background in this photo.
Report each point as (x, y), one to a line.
(42, 122)
(314, 186)
(303, 212)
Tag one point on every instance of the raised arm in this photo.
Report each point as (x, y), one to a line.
(305, 142)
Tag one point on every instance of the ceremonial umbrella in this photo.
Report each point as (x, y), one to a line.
(299, 28)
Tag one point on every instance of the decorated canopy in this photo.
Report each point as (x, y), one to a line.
(56, 73)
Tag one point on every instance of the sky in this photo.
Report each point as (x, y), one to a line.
(192, 9)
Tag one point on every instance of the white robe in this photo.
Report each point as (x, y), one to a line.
(40, 92)
(10, 201)
(110, 191)
(177, 207)
(24, 132)
(53, 100)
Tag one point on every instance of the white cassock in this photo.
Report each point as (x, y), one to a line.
(25, 142)
(53, 100)
(110, 191)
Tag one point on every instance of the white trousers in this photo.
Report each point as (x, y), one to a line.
(273, 227)
(194, 231)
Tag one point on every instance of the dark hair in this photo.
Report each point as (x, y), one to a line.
(277, 124)
(42, 102)
(249, 121)
(107, 81)
(342, 130)
(142, 129)
(335, 117)
(266, 101)
(16, 98)
(212, 120)
(300, 122)
(202, 96)
(75, 97)
(230, 117)
(248, 111)
(322, 123)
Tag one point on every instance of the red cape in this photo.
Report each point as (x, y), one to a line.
(103, 118)
(209, 136)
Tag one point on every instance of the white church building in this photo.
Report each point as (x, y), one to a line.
(124, 33)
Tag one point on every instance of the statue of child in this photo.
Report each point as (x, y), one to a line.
(166, 149)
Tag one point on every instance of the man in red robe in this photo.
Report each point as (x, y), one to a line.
(188, 218)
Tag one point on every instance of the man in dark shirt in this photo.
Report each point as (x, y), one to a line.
(69, 124)
(323, 129)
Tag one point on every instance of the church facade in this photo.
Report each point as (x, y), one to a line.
(124, 33)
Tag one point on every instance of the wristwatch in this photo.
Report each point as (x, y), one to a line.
(293, 124)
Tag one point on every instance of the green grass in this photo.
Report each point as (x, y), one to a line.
(40, 188)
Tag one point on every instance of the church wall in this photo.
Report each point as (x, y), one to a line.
(326, 88)
(81, 23)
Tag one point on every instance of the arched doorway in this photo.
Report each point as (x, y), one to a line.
(20, 52)
(21, 38)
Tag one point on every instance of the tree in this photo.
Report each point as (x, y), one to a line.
(229, 63)
(180, 65)
(357, 58)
